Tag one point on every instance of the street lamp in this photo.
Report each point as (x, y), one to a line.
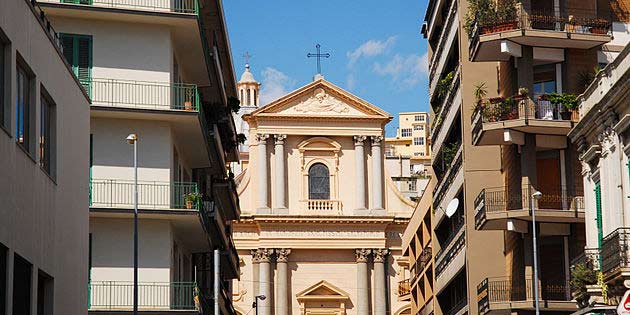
(256, 298)
(133, 139)
(535, 196)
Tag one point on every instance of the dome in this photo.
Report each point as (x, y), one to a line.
(247, 77)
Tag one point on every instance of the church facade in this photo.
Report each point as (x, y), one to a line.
(321, 220)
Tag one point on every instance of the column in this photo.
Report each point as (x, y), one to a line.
(363, 296)
(282, 285)
(255, 270)
(380, 291)
(359, 162)
(278, 200)
(262, 200)
(265, 258)
(377, 170)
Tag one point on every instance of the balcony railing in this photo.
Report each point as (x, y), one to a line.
(522, 107)
(452, 246)
(507, 290)
(501, 199)
(455, 308)
(118, 295)
(323, 206)
(116, 193)
(47, 25)
(144, 95)
(615, 252)
(178, 6)
(440, 190)
(445, 107)
(442, 40)
(589, 259)
(404, 287)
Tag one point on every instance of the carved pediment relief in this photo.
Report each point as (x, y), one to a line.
(322, 290)
(321, 102)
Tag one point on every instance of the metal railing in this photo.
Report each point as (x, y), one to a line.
(447, 253)
(445, 107)
(118, 295)
(442, 187)
(500, 109)
(455, 308)
(116, 193)
(47, 25)
(404, 287)
(508, 290)
(178, 6)
(615, 251)
(140, 94)
(589, 258)
(442, 40)
(322, 206)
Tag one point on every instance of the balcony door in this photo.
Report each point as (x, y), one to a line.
(552, 272)
(548, 180)
(544, 14)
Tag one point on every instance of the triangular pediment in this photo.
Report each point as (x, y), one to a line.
(323, 290)
(321, 98)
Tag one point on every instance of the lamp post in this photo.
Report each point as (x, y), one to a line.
(133, 139)
(535, 196)
(255, 304)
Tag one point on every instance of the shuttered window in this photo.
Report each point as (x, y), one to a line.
(78, 52)
(598, 207)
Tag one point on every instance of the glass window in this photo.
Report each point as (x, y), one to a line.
(78, 52)
(3, 278)
(44, 293)
(249, 97)
(2, 85)
(418, 127)
(418, 141)
(23, 108)
(405, 132)
(544, 80)
(318, 182)
(47, 134)
(21, 286)
(419, 118)
(255, 99)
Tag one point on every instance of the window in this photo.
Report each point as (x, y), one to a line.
(47, 139)
(249, 97)
(418, 141)
(78, 52)
(418, 154)
(23, 108)
(544, 80)
(3, 278)
(255, 100)
(598, 214)
(3, 61)
(21, 286)
(405, 132)
(242, 100)
(44, 294)
(318, 182)
(418, 127)
(419, 118)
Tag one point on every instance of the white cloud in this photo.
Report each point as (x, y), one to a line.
(275, 84)
(370, 48)
(351, 81)
(405, 71)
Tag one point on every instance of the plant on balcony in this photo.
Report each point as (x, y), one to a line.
(567, 100)
(508, 109)
(241, 138)
(188, 102)
(192, 199)
(490, 17)
(598, 26)
(444, 85)
(479, 13)
(448, 153)
(581, 277)
(234, 104)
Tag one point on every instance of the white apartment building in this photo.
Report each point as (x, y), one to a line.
(44, 123)
(161, 70)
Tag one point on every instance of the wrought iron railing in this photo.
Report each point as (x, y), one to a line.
(615, 251)
(445, 107)
(178, 6)
(522, 107)
(47, 25)
(508, 290)
(116, 193)
(442, 187)
(589, 259)
(147, 95)
(442, 40)
(447, 253)
(118, 295)
(404, 287)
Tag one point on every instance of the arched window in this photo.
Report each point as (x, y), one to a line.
(255, 99)
(249, 97)
(318, 182)
(242, 99)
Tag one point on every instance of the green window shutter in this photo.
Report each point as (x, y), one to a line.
(78, 52)
(598, 205)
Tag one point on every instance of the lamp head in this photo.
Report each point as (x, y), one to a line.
(261, 297)
(132, 138)
(537, 195)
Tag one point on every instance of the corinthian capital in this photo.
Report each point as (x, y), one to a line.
(282, 254)
(380, 255)
(262, 137)
(280, 138)
(358, 140)
(376, 140)
(265, 255)
(362, 255)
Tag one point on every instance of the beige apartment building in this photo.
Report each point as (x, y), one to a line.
(503, 79)
(602, 140)
(162, 71)
(44, 124)
(412, 140)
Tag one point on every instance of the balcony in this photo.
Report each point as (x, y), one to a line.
(404, 288)
(322, 206)
(502, 295)
(615, 255)
(497, 39)
(408, 186)
(143, 95)
(177, 6)
(452, 246)
(447, 34)
(119, 194)
(444, 112)
(443, 185)
(496, 207)
(421, 263)
(499, 121)
(153, 296)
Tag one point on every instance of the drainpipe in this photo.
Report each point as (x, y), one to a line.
(216, 281)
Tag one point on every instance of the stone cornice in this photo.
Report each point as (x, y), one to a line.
(272, 218)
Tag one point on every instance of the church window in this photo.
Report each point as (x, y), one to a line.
(249, 97)
(255, 99)
(318, 182)
(242, 100)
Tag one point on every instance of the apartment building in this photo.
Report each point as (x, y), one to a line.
(161, 71)
(412, 140)
(44, 123)
(601, 137)
(503, 78)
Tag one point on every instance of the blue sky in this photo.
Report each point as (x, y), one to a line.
(377, 50)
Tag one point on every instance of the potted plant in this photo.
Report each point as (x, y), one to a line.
(191, 199)
(567, 101)
(522, 94)
(188, 102)
(444, 85)
(599, 26)
(508, 109)
(581, 277)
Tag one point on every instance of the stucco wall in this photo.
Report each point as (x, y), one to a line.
(45, 221)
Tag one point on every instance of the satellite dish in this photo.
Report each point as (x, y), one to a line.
(452, 207)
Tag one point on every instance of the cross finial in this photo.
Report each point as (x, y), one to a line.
(247, 56)
(319, 56)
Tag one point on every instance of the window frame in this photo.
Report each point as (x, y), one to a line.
(74, 63)
(406, 132)
(419, 142)
(5, 83)
(27, 123)
(48, 118)
(312, 195)
(418, 118)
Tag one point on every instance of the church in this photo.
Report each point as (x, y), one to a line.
(321, 224)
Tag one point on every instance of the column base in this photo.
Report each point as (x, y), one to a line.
(280, 211)
(265, 210)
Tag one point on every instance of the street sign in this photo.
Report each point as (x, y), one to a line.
(624, 304)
